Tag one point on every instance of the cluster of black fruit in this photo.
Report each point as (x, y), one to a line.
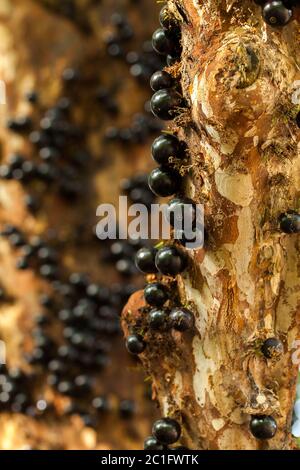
(165, 432)
(16, 393)
(84, 314)
(277, 12)
(167, 99)
(169, 261)
(58, 147)
(142, 65)
(87, 316)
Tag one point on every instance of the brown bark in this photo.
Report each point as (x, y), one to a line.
(237, 75)
(36, 45)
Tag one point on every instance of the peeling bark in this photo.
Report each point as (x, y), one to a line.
(237, 75)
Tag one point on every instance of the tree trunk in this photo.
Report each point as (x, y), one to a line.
(36, 45)
(238, 77)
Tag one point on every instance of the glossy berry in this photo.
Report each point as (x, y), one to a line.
(182, 319)
(166, 103)
(166, 146)
(160, 80)
(189, 238)
(272, 348)
(156, 294)
(135, 344)
(164, 182)
(145, 260)
(157, 319)
(290, 222)
(276, 14)
(181, 210)
(263, 427)
(166, 430)
(170, 261)
(162, 42)
(151, 443)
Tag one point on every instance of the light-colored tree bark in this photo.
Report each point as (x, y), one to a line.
(238, 76)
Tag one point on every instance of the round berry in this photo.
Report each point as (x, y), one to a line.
(182, 319)
(276, 14)
(162, 42)
(158, 319)
(151, 443)
(155, 294)
(145, 260)
(166, 146)
(191, 238)
(263, 427)
(135, 344)
(165, 104)
(160, 80)
(181, 210)
(166, 430)
(272, 348)
(170, 261)
(290, 222)
(164, 182)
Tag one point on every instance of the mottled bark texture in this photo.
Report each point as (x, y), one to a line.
(36, 45)
(237, 76)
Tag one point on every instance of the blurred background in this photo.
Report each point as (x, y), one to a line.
(75, 132)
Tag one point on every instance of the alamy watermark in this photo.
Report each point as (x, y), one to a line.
(183, 222)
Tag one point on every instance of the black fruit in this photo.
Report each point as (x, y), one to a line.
(158, 319)
(272, 348)
(170, 261)
(151, 443)
(162, 42)
(166, 430)
(182, 319)
(160, 80)
(179, 210)
(166, 146)
(290, 222)
(263, 427)
(164, 182)
(166, 104)
(156, 294)
(135, 344)
(145, 260)
(276, 14)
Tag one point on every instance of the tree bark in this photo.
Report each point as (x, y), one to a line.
(238, 76)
